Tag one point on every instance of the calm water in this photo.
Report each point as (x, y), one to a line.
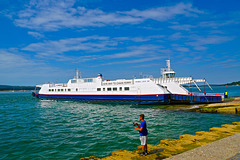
(34, 129)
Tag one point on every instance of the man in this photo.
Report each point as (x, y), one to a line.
(226, 94)
(142, 128)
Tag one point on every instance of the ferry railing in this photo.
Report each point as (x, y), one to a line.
(198, 97)
(196, 94)
(205, 94)
(180, 80)
(58, 85)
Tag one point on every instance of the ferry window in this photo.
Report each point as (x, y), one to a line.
(69, 89)
(120, 88)
(50, 90)
(115, 89)
(62, 90)
(76, 89)
(58, 90)
(73, 81)
(65, 90)
(103, 89)
(109, 89)
(55, 90)
(98, 89)
(126, 88)
(88, 80)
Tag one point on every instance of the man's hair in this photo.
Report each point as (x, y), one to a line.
(142, 115)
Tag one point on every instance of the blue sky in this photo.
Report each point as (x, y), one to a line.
(45, 40)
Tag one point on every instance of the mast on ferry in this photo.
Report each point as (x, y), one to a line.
(168, 72)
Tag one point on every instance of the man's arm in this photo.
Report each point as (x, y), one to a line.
(140, 129)
(137, 124)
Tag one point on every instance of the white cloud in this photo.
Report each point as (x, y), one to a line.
(185, 27)
(10, 59)
(36, 34)
(53, 49)
(165, 13)
(216, 24)
(16, 66)
(182, 49)
(138, 39)
(53, 15)
(137, 51)
(134, 61)
(199, 42)
(176, 36)
(81, 48)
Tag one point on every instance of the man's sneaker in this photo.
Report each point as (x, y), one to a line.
(142, 154)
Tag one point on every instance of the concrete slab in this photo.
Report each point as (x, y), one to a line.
(223, 149)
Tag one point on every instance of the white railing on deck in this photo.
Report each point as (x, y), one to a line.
(58, 85)
(206, 94)
(180, 80)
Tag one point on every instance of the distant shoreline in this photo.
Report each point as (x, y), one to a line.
(16, 88)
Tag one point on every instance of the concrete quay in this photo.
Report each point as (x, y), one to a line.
(223, 149)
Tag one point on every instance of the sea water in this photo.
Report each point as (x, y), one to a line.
(36, 129)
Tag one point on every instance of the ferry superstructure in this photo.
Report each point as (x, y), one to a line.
(164, 90)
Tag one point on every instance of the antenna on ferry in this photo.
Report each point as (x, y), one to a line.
(141, 74)
(168, 64)
(76, 73)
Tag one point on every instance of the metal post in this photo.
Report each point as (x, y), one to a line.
(191, 90)
(209, 85)
(204, 86)
(197, 86)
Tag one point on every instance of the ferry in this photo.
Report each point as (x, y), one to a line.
(164, 90)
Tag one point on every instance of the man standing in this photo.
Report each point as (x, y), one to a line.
(142, 128)
(226, 94)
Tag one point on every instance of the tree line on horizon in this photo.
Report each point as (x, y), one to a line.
(234, 84)
(8, 87)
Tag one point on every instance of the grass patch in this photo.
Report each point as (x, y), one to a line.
(188, 147)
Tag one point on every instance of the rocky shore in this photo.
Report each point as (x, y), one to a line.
(170, 147)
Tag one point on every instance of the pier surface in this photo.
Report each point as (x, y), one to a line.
(223, 149)
(230, 107)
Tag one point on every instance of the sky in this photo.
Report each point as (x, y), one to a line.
(44, 41)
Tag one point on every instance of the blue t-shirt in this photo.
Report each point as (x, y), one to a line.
(144, 132)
